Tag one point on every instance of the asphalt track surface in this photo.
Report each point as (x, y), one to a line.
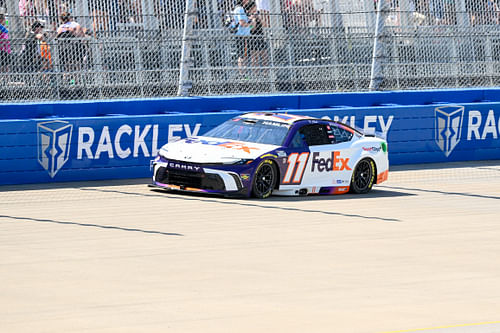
(419, 253)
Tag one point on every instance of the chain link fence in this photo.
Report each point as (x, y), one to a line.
(156, 48)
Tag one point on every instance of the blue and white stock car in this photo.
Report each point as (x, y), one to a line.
(258, 154)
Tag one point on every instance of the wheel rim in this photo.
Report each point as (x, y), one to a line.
(264, 179)
(363, 175)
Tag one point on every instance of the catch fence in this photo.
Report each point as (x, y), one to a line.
(155, 48)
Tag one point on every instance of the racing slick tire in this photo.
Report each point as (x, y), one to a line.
(264, 179)
(363, 176)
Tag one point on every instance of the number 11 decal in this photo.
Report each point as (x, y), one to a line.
(296, 166)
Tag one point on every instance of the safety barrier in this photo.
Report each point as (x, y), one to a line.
(89, 140)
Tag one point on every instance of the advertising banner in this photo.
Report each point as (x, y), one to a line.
(120, 146)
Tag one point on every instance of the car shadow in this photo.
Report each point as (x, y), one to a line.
(374, 193)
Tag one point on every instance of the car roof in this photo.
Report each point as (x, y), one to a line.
(290, 119)
(276, 117)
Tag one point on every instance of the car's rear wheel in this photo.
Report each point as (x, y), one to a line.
(363, 176)
(264, 179)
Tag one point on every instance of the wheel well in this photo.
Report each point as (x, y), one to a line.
(277, 168)
(374, 163)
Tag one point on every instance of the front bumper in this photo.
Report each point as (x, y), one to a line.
(182, 176)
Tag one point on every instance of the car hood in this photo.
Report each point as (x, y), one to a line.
(213, 150)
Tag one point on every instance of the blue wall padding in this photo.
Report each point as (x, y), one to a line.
(25, 141)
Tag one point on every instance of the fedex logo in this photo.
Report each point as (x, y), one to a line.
(334, 163)
(225, 144)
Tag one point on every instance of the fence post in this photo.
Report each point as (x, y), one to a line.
(379, 46)
(187, 39)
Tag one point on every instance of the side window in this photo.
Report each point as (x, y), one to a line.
(340, 134)
(317, 134)
(298, 140)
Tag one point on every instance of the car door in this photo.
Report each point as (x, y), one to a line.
(309, 140)
(329, 162)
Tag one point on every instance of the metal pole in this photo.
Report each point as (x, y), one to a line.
(379, 46)
(337, 28)
(187, 39)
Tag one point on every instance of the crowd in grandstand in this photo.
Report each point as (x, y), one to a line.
(47, 20)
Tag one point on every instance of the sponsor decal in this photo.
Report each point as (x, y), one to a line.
(448, 124)
(126, 141)
(341, 181)
(269, 155)
(93, 143)
(54, 142)
(334, 163)
(334, 190)
(225, 144)
(372, 149)
(245, 176)
(491, 126)
(281, 153)
(274, 123)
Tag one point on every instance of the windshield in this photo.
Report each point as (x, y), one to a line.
(251, 130)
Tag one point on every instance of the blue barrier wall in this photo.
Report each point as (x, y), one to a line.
(117, 139)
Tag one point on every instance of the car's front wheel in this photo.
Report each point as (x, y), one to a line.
(363, 176)
(264, 179)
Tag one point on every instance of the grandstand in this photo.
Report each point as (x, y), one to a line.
(133, 49)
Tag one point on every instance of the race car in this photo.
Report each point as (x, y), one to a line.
(259, 154)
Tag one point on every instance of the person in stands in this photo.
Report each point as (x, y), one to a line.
(243, 32)
(71, 48)
(257, 43)
(5, 50)
(31, 56)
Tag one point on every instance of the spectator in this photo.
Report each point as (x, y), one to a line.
(45, 53)
(69, 27)
(5, 50)
(243, 32)
(71, 48)
(257, 42)
(31, 56)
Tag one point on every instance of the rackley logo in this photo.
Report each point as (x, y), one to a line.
(448, 124)
(54, 138)
(101, 142)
